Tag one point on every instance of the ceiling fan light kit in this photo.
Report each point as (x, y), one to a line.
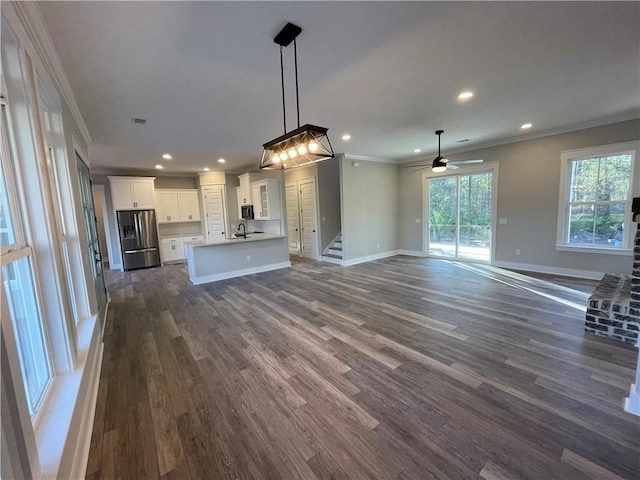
(304, 145)
(439, 163)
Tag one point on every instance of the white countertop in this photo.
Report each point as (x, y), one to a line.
(251, 237)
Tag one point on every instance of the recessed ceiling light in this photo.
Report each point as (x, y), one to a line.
(221, 160)
(166, 156)
(206, 169)
(346, 136)
(525, 126)
(466, 95)
(159, 167)
(417, 150)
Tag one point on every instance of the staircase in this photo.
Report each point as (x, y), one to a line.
(333, 253)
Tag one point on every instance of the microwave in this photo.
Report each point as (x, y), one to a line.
(247, 211)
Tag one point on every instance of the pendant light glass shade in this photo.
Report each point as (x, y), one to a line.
(302, 146)
(438, 165)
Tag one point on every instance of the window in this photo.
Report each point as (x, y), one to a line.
(596, 191)
(19, 285)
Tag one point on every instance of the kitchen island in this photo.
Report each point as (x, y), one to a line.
(235, 257)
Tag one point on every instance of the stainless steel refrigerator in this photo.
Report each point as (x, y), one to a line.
(138, 239)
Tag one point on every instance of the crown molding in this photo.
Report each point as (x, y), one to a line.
(366, 158)
(40, 41)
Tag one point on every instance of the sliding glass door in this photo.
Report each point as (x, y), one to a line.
(460, 216)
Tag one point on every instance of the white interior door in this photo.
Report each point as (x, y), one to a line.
(214, 212)
(309, 218)
(293, 218)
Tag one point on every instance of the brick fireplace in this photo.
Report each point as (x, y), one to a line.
(614, 307)
(614, 310)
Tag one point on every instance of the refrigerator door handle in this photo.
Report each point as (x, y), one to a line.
(136, 219)
(141, 250)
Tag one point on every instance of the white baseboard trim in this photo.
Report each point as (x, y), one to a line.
(369, 258)
(238, 273)
(632, 402)
(566, 272)
(411, 253)
(337, 261)
(115, 266)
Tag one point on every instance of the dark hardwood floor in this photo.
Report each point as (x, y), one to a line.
(403, 368)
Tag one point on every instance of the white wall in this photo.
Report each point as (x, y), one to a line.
(327, 176)
(369, 195)
(329, 201)
(528, 193)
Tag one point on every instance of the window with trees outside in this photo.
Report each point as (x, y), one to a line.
(597, 189)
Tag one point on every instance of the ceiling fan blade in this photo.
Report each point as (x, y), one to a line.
(451, 166)
(416, 166)
(465, 162)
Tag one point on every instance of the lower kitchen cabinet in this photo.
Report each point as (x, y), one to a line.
(173, 249)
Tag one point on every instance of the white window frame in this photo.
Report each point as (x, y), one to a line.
(566, 157)
(494, 169)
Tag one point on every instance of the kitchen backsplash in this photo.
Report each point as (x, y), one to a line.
(175, 229)
(266, 226)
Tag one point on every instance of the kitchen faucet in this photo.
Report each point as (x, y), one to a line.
(244, 230)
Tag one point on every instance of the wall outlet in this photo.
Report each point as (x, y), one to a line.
(233, 227)
(418, 220)
(248, 258)
(378, 244)
(503, 221)
(517, 251)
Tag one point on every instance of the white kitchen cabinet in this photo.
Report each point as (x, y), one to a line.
(194, 239)
(172, 253)
(189, 206)
(245, 197)
(167, 207)
(131, 193)
(266, 199)
(177, 206)
(173, 249)
(239, 198)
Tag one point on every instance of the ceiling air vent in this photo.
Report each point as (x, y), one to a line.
(138, 121)
(462, 141)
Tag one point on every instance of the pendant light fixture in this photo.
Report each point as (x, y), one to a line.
(439, 163)
(304, 145)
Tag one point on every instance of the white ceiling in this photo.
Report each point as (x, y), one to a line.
(206, 75)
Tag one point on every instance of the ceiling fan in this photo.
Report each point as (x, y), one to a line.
(440, 163)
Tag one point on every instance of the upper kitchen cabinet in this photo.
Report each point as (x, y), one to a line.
(167, 206)
(177, 206)
(189, 206)
(266, 199)
(245, 193)
(132, 193)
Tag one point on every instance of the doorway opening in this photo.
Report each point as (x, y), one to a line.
(302, 217)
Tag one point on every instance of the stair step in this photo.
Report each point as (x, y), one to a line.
(335, 251)
(331, 255)
(337, 244)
